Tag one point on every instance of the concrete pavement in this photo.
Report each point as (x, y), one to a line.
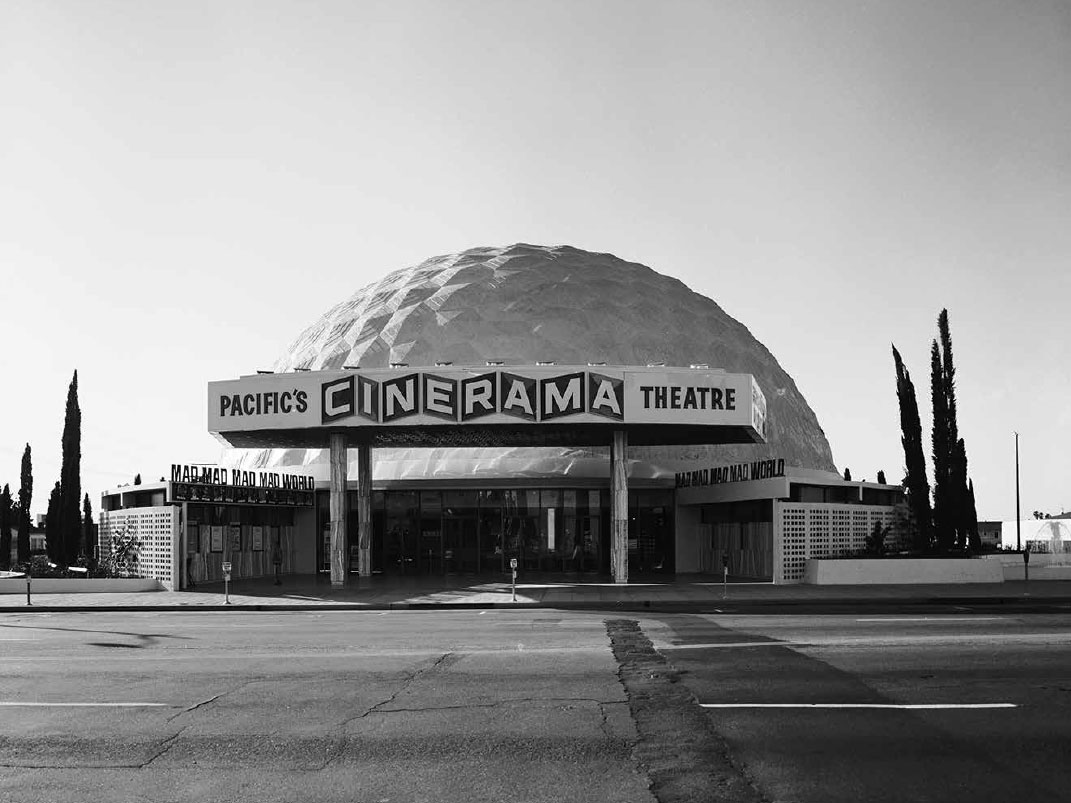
(387, 593)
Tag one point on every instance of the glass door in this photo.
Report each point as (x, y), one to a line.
(430, 552)
(400, 537)
(460, 552)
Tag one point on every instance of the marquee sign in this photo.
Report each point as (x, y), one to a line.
(736, 472)
(200, 483)
(476, 396)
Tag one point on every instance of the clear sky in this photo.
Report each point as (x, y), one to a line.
(185, 186)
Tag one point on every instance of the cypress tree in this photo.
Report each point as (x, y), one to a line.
(881, 477)
(954, 511)
(943, 523)
(25, 497)
(70, 516)
(957, 483)
(847, 475)
(54, 526)
(89, 540)
(5, 527)
(974, 540)
(963, 505)
(948, 377)
(918, 487)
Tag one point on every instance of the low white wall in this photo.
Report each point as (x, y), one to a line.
(901, 571)
(1043, 566)
(62, 585)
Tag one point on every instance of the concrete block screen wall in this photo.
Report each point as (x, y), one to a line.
(820, 530)
(149, 534)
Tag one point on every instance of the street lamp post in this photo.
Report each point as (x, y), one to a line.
(1018, 527)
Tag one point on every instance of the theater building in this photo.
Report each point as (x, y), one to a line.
(544, 404)
(479, 509)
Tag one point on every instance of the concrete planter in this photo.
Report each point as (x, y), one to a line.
(62, 585)
(901, 571)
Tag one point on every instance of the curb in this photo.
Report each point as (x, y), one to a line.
(738, 606)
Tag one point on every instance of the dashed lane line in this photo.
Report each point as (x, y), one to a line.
(82, 705)
(899, 706)
(937, 619)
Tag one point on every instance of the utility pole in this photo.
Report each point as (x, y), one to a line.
(1018, 527)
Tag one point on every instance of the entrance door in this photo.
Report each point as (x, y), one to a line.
(400, 542)
(522, 540)
(461, 553)
(589, 537)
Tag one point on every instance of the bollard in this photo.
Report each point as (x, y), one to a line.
(513, 568)
(28, 589)
(1026, 564)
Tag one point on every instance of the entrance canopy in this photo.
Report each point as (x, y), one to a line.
(489, 405)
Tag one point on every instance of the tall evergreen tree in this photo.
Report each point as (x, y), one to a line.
(952, 503)
(71, 477)
(25, 498)
(943, 522)
(53, 525)
(5, 527)
(847, 474)
(918, 487)
(89, 538)
(957, 483)
(948, 377)
(974, 540)
(881, 477)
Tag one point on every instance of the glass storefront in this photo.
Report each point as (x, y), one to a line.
(477, 532)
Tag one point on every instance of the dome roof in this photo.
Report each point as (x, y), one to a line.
(525, 303)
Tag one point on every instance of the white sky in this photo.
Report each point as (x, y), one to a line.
(185, 186)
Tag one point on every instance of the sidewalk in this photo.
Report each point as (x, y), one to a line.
(688, 593)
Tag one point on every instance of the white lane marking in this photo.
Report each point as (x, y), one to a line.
(83, 705)
(198, 654)
(902, 706)
(938, 619)
(726, 644)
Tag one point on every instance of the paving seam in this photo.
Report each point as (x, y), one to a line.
(684, 759)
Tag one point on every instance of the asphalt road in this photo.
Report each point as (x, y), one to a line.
(535, 705)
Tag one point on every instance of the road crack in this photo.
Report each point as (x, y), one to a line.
(683, 758)
(410, 679)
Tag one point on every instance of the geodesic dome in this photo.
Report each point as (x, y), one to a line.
(525, 303)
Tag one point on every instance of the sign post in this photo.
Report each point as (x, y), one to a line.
(28, 586)
(226, 582)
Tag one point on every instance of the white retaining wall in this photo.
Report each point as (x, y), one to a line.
(1043, 566)
(902, 571)
(77, 585)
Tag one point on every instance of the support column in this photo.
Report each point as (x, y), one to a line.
(339, 555)
(364, 509)
(619, 507)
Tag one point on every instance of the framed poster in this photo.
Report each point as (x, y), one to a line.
(258, 538)
(236, 538)
(217, 538)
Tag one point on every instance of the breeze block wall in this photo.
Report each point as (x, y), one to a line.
(818, 530)
(155, 531)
